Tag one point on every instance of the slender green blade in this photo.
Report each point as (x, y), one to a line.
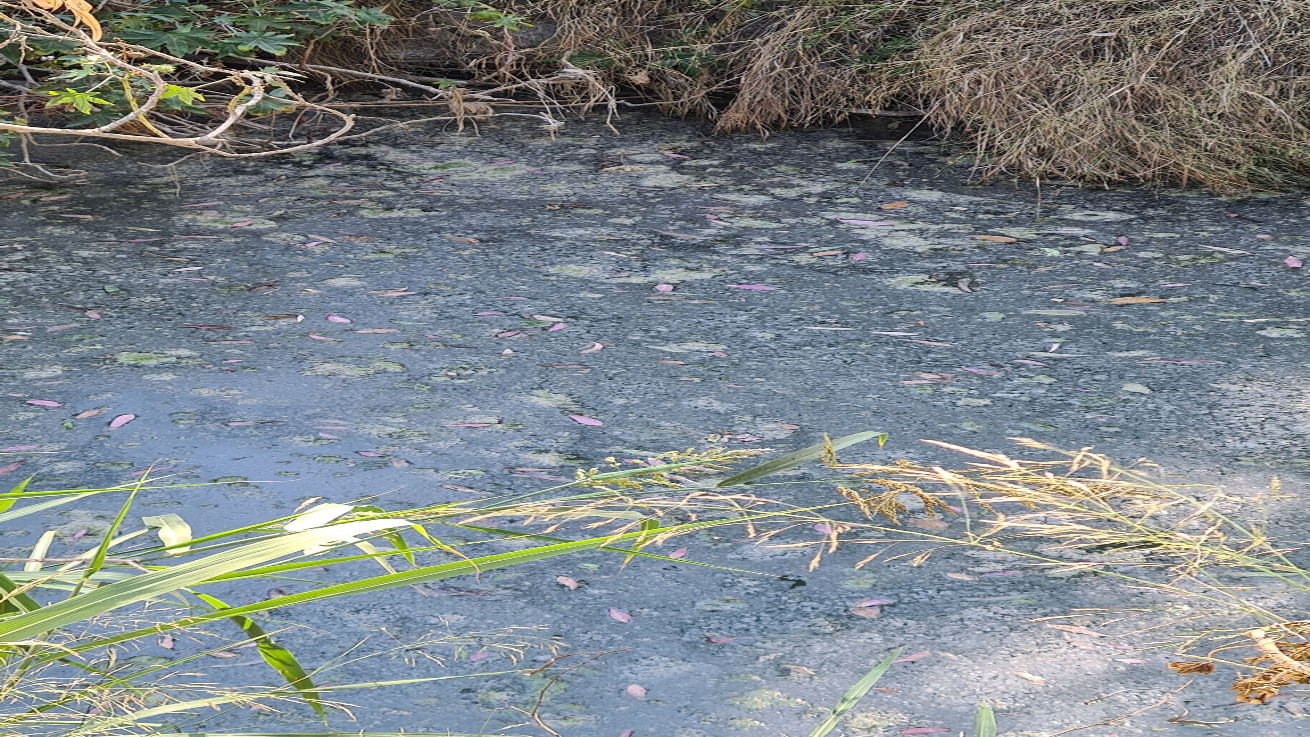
(13, 601)
(853, 695)
(278, 658)
(332, 734)
(797, 458)
(158, 583)
(984, 723)
(8, 498)
(378, 583)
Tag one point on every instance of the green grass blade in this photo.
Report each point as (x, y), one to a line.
(984, 723)
(333, 734)
(33, 508)
(797, 458)
(14, 601)
(8, 498)
(183, 575)
(102, 550)
(374, 584)
(853, 695)
(278, 658)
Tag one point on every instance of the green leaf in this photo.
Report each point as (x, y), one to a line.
(174, 532)
(278, 658)
(798, 458)
(853, 695)
(984, 723)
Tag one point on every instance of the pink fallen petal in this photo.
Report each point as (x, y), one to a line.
(1122, 240)
(1293, 262)
(316, 336)
(913, 656)
(508, 333)
(674, 156)
(121, 420)
(9, 467)
(483, 314)
(619, 615)
(822, 528)
(327, 436)
(480, 655)
(338, 318)
(758, 287)
(369, 454)
(42, 403)
(678, 553)
(664, 287)
(79, 535)
(556, 326)
(875, 602)
(566, 582)
(583, 420)
(626, 733)
(719, 640)
(243, 223)
(92, 315)
(859, 256)
(866, 223)
(636, 692)
(16, 448)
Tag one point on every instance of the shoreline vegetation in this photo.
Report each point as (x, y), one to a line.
(1168, 92)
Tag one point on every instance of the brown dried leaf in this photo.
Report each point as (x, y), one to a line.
(1191, 666)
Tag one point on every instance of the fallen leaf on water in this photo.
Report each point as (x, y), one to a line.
(546, 318)
(1130, 661)
(393, 293)
(337, 318)
(556, 326)
(868, 612)
(243, 223)
(929, 523)
(373, 331)
(995, 238)
(619, 615)
(297, 318)
(636, 692)
(206, 327)
(875, 602)
(866, 223)
(1136, 388)
(1030, 677)
(89, 413)
(893, 205)
(758, 287)
(678, 553)
(508, 333)
(831, 252)
(594, 347)
(1293, 262)
(960, 576)
(1076, 630)
(914, 656)
(1133, 300)
(567, 582)
(1233, 251)
(10, 467)
(121, 420)
(316, 336)
(583, 420)
(42, 403)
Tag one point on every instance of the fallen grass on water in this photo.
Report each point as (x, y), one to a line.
(79, 627)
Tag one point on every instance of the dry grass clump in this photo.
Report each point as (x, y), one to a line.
(1103, 91)
(1184, 91)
